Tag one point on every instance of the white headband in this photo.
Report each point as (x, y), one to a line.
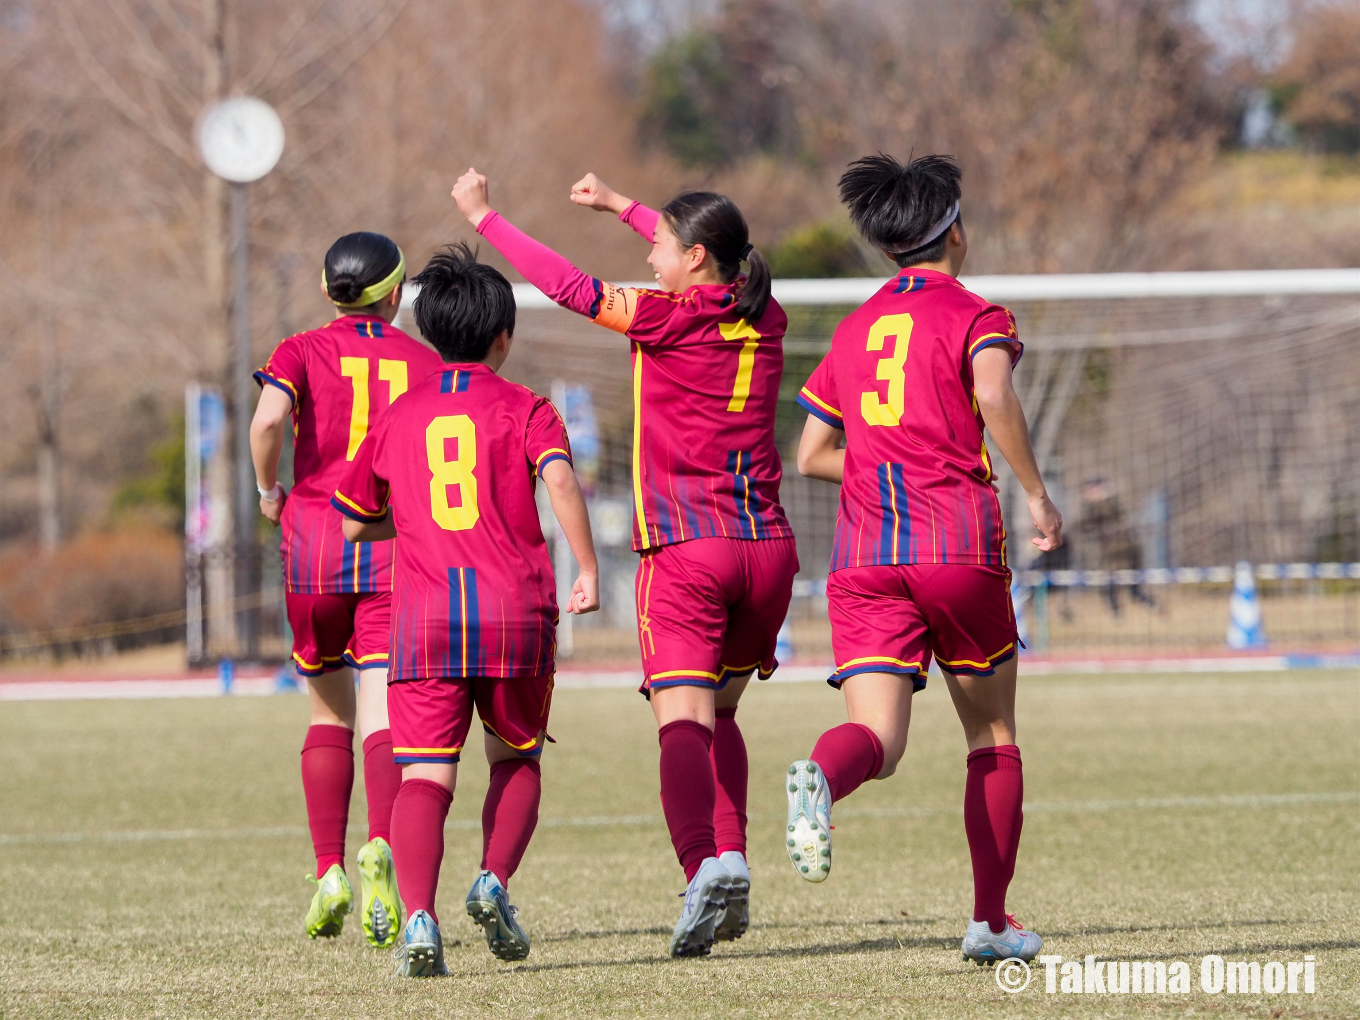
(933, 234)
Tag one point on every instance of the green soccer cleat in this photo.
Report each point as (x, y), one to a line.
(379, 903)
(333, 900)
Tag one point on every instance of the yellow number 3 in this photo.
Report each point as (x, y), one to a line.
(891, 370)
(457, 472)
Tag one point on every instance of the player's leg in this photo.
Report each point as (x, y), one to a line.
(972, 626)
(380, 906)
(879, 639)
(320, 626)
(683, 594)
(429, 719)
(514, 713)
(768, 570)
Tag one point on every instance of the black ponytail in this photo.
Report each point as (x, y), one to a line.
(713, 220)
(357, 261)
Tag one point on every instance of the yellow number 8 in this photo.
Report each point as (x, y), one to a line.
(457, 472)
(891, 370)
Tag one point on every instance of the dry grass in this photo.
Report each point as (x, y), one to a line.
(209, 924)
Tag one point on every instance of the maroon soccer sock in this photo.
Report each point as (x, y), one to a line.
(687, 791)
(382, 777)
(509, 815)
(850, 755)
(418, 815)
(327, 780)
(992, 817)
(730, 775)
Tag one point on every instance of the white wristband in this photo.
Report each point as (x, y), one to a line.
(272, 495)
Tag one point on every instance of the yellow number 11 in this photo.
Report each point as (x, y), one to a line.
(356, 371)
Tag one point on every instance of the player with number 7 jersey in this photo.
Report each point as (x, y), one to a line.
(717, 554)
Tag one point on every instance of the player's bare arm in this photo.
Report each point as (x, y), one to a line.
(266, 444)
(569, 506)
(369, 531)
(594, 193)
(820, 453)
(1005, 417)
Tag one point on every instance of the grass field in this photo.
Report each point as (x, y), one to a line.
(153, 853)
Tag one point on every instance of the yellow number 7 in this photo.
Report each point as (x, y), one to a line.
(891, 370)
(746, 360)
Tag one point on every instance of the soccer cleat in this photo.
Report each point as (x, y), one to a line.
(333, 900)
(737, 917)
(984, 946)
(421, 953)
(807, 840)
(489, 905)
(705, 907)
(379, 903)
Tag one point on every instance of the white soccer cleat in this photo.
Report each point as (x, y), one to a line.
(808, 836)
(984, 946)
(705, 905)
(737, 918)
(488, 904)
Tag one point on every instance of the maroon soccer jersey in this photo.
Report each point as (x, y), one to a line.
(899, 380)
(457, 461)
(342, 378)
(705, 384)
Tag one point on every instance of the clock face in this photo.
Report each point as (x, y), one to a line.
(240, 139)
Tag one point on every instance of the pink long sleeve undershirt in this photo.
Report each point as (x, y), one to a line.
(554, 275)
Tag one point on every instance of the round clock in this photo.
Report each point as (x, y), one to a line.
(240, 139)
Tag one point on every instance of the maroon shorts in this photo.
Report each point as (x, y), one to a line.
(335, 630)
(710, 609)
(430, 718)
(890, 619)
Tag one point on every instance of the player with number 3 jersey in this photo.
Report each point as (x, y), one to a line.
(717, 554)
(336, 384)
(452, 470)
(918, 565)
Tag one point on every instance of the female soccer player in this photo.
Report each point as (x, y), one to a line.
(336, 383)
(918, 565)
(718, 556)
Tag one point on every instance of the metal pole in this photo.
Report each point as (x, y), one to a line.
(241, 393)
(193, 517)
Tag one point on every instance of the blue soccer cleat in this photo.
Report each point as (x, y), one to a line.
(489, 905)
(421, 953)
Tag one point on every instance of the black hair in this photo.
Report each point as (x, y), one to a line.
(357, 261)
(463, 304)
(893, 205)
(713, 220)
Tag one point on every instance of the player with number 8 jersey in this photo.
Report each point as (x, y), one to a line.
(451, 471)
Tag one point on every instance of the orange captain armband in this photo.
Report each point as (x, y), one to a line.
(615, 307)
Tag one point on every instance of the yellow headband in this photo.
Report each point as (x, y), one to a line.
(374, 293)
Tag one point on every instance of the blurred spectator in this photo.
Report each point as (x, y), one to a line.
(1103, 525)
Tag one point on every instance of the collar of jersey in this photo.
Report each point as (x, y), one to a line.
(465, 366)
(928, 274)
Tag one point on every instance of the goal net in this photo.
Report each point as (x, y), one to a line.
(1184, 422)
